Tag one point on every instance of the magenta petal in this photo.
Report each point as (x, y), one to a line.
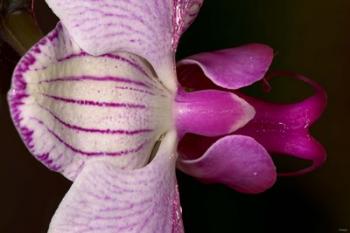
(237, 161)
(106, 199)
(284, 129)
(211, 112)
(230, 68)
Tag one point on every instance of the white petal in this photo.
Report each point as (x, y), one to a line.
(69, 106)
(150, 29)
(105, 199)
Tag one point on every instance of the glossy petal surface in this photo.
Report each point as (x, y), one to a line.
(236, 161)
(230, 68)
(69, 106)
(150, 29)
(105, 199)
(284, 129)
(211, 112)
(185, 13)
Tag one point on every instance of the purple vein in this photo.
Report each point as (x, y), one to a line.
(93, 130)
(95, 103)
(88, 153)
(110, 56)
(97, 79)
(136, 90)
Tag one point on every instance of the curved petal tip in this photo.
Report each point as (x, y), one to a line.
(236, 161)
(230, 68)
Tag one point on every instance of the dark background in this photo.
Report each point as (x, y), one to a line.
(311, 37)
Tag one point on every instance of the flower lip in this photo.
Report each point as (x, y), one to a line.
(284, 128)
(264, 129)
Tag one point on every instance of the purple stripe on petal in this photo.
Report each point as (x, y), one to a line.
(95, 103)
(94, 130)
(94, 153)
(284, 129)
(111, 56)
(97, 79)
(130, 62)
(135, 89)
(105, 198)
(123, 118)
(150, 29)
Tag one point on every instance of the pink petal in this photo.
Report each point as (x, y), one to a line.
(210, 112)
(230, 68)
(237, 161)
(105, 199)
(69, 106)
(150, 29)
(284, 129)
(186, 12)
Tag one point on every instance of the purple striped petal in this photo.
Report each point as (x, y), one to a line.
(237, 161)
(284, 129)
(150, 29)
(69, 106)
(230, 68)
(210, 112)
(105, 199)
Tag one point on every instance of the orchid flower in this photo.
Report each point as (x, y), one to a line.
(101, 100)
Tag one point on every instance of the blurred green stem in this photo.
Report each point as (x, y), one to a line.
(19, 29)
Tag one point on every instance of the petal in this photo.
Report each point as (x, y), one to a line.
(150, 29)
(185, 13)
(105, 199)
(284, 129)
(237, 161)
(210, 112)
(230, 68)
(69, 106)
